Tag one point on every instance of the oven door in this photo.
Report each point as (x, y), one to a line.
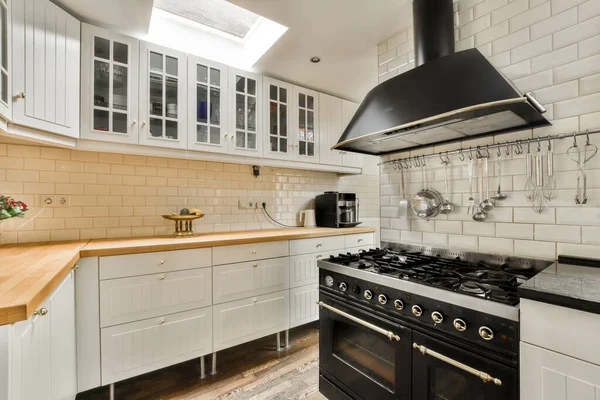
(368, 354)
(442, 371)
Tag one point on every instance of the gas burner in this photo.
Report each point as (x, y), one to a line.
(470, 287)
(360, 264)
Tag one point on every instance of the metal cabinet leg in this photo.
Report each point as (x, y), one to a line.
(112, 391)
(214, 364)
(287, 338)
(202, 368)
(278, 341)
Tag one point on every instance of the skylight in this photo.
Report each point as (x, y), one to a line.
(218, 14)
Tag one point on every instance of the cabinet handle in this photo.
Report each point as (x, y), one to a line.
(225, 136)
(42, 311)
(133, 122)
(162, 321)
(143, 123)
(360, 240)
(21, 95)
(319, 256)
(161, 262)
(253, 251)
(162, 278)
(75, 267)
(255, 265)
(319, 245)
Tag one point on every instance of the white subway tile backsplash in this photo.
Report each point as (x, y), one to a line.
(466, 4)
(558, 233)
(465, 17)
(590, 121)
(422, 225)
(577, 69)
(527, 215)
(395, 41)
(589, 46)
(514, 231)
(510, 10)
(517, 70)
(554, 58)
(463, 242)
(411, 237)
(448, 227)
(511, 41)
(531, 48)
(530, 17)
(578, 32)
(589, 84)
(590, 235)
(530, 248)
(478, 228)
(488, 6)
(563, 91)
(388, 56)
(467, 43)
(475, 26)
(589, 9)
(561, 5)
(581, 105)
(578, 216)
(553, 24)
(435, 239)
(578, 250)
(495, 245)
(491, 34)
(534, 81)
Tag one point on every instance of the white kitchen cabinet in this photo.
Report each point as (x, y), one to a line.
(546, 375)
(330, 118)
(359, 240)
(5, 60)
(349, 159)
(318, 244)
(109, 86)
(303, 305)
(304, 270)
(245, 120)
(244, 320)
(305, 120)
(163, 95)
(207, 106)
(45, 67)
(249, 252)
(277, 96)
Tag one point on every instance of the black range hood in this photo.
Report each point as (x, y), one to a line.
(447, 97)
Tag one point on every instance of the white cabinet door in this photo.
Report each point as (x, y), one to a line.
(546, 375)
(277, 96)
(305, 122)
(109, 86)
(303, 305)
(163, 95)
(45, 55)
(304, 270)
(5, 60)
(245, 129)
(330, 118)
(207, 105)
(349, 159)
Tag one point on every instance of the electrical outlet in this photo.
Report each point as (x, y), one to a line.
(48, 200)
(246, 204)
(63, 201)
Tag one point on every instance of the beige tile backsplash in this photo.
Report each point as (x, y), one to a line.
(115, 195)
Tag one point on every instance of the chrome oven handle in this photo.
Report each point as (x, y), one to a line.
(484, 376)
(390, 335)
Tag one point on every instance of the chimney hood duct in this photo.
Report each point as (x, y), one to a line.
(447, 97)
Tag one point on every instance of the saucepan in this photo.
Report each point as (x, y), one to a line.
(426, 203)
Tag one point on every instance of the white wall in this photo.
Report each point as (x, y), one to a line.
(553, 49)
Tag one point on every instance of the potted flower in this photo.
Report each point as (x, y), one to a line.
(11, 208)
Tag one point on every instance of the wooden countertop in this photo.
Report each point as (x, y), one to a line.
(29, 272)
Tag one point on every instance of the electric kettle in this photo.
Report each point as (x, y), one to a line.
(307, 218)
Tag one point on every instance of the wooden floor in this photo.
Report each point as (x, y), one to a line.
(249, 371)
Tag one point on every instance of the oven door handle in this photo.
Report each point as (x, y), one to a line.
(484, 376)
(390, 335)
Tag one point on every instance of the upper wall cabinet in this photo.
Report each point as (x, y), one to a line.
(45, 73)
(245, 119)
(5, 60)
(277, 97)
(109, 86)
(163, 86)
(349, 159)
(207, 105)
(306, 125)
(330, 118)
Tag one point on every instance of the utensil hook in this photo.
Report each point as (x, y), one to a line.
(528, 146)
(507, 149)
(470, 153)
(394, 165)
(498, 152)
(549, 144)
(574, 139)
(487, 151)
(461, 156)
(539, 147)
(587, 137)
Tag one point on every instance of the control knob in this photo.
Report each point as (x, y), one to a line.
(417, 310)
(382, 299)
(368, 294)
(486, 333)
(398, 305)
(343, 286)
(356, 289)
(437, 317)
(460, 325)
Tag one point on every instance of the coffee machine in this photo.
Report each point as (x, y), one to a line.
(337, 210)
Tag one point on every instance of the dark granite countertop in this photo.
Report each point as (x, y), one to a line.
(566, 285)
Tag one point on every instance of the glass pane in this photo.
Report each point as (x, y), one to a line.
(251, 86)
(215, 106)
(282, 120)
(101, 83)
(273, 141)
(301, 100)
(451, 384)
(119, 87)
(302, 148)
(240, 84)
(273, 92)
(120, 53)
(215, 135)
(101, 120)
(4, 42)
(201, 73)
(156, 62)
(283, 145)
(119, 122)
(283, 95)
(251, 113)
(156, 94)
(171, 99)
(273, 118)
(201, 134)
(215, 77)
(202, 104)
(240, 121)
(101, 48)
(310, 120)
(252, 140)
(4, 93)
(156, 127)
(302, 124)
(310, 149)
(171, 65)
(171, 129)
(310, 101)
(240, 139)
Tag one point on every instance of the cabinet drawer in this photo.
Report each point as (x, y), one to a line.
(244, 320)
(140, 347)
(153, 263)
(305, 246)
(304, 270)
(253, 278)
(303, 305)
(140, 297)
(249, 252)
(359, 240)
(355, 250)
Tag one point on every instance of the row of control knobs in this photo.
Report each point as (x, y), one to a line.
(437, 317)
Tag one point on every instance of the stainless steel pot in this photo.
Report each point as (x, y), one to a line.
(426, 203)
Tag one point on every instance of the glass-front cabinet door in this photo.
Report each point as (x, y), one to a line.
(306, 109)
(207, 106)
(246, 129)
(109, 79)
(277, 96)
(5, 31)
(163, 85)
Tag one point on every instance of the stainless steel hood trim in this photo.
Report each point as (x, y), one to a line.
(470, 302)
(448, 114)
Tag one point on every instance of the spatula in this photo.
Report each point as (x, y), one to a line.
(403, 204)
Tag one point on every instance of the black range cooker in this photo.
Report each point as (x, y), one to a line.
(418, 323)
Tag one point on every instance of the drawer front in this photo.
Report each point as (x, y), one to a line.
(140, 347)
(359, 240)
(139, 297)
(238, 281)
(304, 270)
(303, 305)
(249, 252)
(244, 320)
(313, 245)
(153, 263)
(355, 250)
